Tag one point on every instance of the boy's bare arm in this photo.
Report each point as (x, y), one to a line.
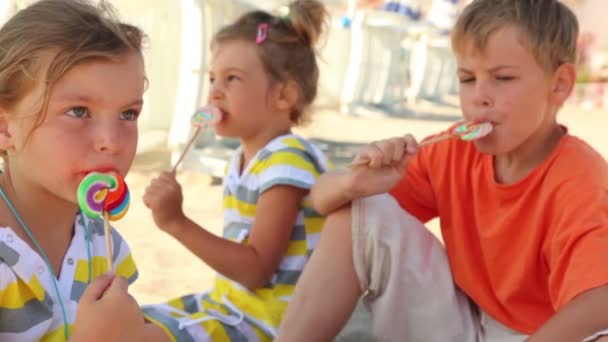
(376, 169)
(330, 192)
(584, 316)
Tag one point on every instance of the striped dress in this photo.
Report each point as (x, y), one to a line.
(230, 312)
(29, 309)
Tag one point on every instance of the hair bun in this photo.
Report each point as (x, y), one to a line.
(308, 18)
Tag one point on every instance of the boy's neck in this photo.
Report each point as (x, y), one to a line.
(514, 166)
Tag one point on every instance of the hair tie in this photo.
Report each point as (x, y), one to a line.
(262, 33)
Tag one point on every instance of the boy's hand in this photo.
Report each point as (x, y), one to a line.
(380, 166)
(164, 197)
(106, 312)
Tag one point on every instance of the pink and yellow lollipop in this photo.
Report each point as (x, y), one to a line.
(208, 116)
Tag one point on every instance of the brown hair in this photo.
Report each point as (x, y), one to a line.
(288, 51)
(549, 27)
(70, 32)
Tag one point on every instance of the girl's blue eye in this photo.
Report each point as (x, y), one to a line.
(129, 115)
(78, 112)
(232, 77)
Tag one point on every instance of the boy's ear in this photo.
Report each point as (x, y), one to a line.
(564, 80)
(287, 95)
(6, 141)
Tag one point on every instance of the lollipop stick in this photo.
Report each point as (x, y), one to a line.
(192, 139)
(437, 139)
(108, 233)
(433, 140)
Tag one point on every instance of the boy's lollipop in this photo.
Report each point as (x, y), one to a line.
(208, 116)
(107, 195)
(465, 130)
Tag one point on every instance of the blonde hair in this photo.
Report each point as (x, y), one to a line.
(288, 52)
(70, 32)
(549, 27)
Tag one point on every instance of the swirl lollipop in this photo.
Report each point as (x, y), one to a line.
(208, 116)
(465, 130)
(104, 194)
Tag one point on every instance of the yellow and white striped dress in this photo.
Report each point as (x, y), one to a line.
(29, 309)
(230, 312)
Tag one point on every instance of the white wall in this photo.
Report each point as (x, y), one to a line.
(592, 17)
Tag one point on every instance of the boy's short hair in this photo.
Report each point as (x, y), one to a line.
(549, 27)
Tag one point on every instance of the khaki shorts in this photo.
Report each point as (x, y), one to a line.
(408, 286)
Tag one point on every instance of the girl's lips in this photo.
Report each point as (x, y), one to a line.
(224, 112)
(101, 169)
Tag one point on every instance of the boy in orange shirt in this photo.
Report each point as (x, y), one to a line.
(523, 211)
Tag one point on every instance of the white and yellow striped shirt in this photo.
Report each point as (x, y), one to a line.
(230, 312)
(286, 160)
(29, 309)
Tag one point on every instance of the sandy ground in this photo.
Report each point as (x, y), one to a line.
(167, 269)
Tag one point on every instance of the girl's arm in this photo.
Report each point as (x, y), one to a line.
(250, 264)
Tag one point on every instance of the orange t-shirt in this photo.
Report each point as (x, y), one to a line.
(520, 251)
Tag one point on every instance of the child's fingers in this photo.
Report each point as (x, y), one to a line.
(118, 287)
(168, 175)
(96, 289)
(391, 150)
(155, 197)
(411, 144)
(164, 183)
(387, 148)
(386, 152)
(364, 157)
(399, 150)
(402, 165)
(148, 198)
(375, 155)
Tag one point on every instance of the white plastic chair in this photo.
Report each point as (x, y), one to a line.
(379, 74)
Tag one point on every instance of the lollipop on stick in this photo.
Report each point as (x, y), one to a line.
(107, 195)
(204, 117)
(465, 130)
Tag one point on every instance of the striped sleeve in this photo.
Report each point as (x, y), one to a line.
(289, 166)
(122, 260)
(124, 264)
